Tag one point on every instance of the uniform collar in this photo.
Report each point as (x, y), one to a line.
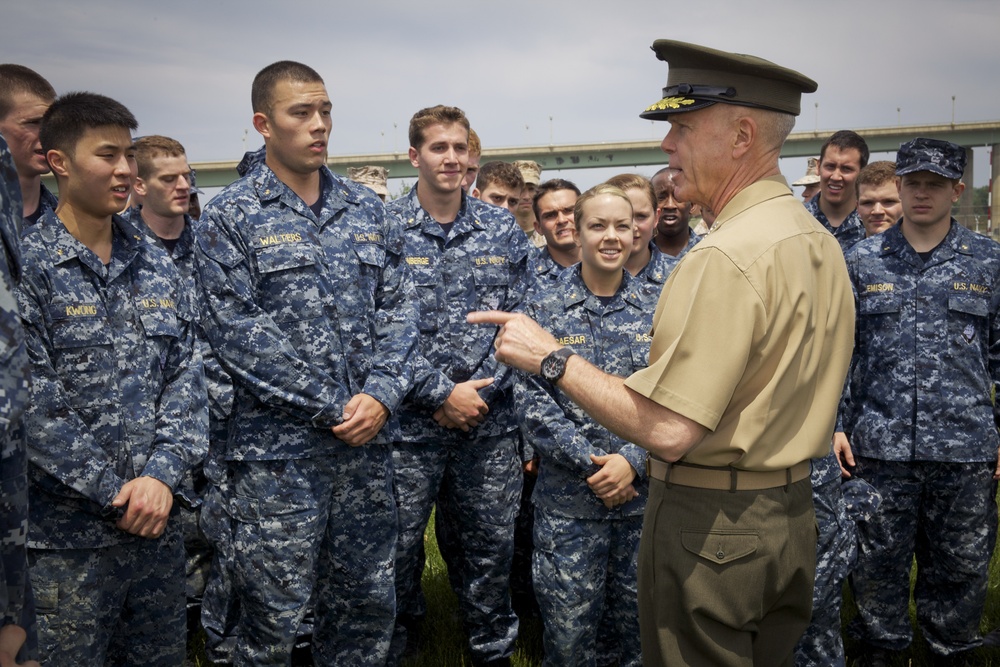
(467, 219)
(126, 242)
(956, 242)
(758, 192)
(268, 187)
(576, 292)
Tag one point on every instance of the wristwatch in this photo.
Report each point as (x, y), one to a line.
(554, 364)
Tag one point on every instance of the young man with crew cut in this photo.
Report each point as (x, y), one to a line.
(307, 305)
(118, 411)
(24, 97)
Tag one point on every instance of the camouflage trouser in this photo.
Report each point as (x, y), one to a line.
(219, 607)
(481, 480)
(585, 582)
(945, 514)
(326, 522)
(836, 554)
(117, 605)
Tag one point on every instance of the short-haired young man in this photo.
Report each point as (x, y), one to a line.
(553, 206)
(674, 236)
(843, 155)
(118, 410)
(459, 432)
(500, 184)
(163, 187)
(24, 97)
(306, 304)
(879, 206)
(922, 420)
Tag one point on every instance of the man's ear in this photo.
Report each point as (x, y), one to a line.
(262, 124)
(746, 133)
(58, 162)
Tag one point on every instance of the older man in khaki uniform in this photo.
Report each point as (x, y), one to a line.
(752, 340)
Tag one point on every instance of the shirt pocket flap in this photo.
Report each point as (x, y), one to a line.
(879, 303)
(284, 257)
(969, 305)
(79, 325)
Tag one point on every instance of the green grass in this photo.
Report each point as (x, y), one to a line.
(444, 640)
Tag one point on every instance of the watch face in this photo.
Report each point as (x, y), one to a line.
(553, 367)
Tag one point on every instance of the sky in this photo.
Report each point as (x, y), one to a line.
(526, 73)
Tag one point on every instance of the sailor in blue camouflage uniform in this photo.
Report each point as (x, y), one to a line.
(591, 488)
(24, 97)
(163, 188)
(553, 204)
(458, 429)
(307, 305)
(646, 261)
(17, 611)
(923, 426)
(842, 157)
(118, 411)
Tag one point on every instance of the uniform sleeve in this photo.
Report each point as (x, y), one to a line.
(636, 457)
(182, 410)
(708, 320)
(994, 347)
(845, 410)
(395, 326)
(431, 387)
(59, 442)
(553, 434)
(14, 375)
(246, 340)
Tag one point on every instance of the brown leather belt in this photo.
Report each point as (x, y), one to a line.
(724, 479)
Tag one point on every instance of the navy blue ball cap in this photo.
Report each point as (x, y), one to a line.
(934, 155)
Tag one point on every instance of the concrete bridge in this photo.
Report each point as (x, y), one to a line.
(630, 154)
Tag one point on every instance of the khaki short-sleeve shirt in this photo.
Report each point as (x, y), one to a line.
(753, 333)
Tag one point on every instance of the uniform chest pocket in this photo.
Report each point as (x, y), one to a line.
(285, 257)
(878, 327)
(160, 322)
(879, 304)
(491, 277)
(290, 286)
(425, 279)
(640, 351)
(968, 318)
(83, 354)
(490, 271)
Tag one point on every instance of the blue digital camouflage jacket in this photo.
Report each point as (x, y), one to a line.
(616, 339)
(481, 265)
(304, 312)
(927, 349)
(118, 387)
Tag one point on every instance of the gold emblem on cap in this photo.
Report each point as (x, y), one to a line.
(670, 103)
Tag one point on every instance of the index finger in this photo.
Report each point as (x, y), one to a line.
(498, 317)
